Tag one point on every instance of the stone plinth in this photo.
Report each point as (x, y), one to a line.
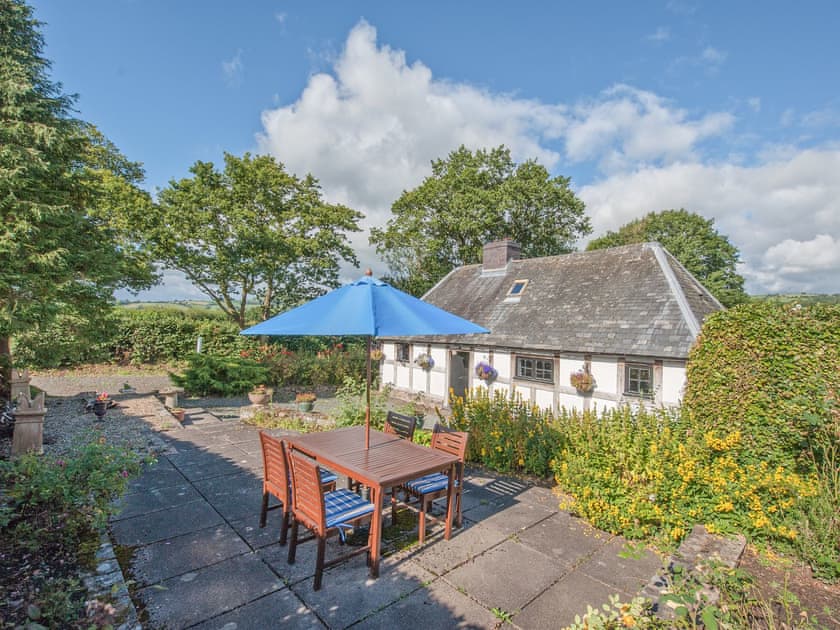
(171, 396)
(29, 425)
(19, 383)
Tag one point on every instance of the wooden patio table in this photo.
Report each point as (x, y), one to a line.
(389, 462)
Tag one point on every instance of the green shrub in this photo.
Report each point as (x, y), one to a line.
(51, 510)
(207, 375)
(764, 369)
(352, 404)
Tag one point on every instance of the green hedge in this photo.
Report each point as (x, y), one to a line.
(767, 371)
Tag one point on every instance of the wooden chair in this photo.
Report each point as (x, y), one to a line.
(323, 513)
(276, 481)
(433, 486)
(401, 425)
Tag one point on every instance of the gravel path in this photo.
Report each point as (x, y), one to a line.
(133, 423)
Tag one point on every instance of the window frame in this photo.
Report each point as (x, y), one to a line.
(402, 352)
(549, 361)
(627, 380)
(522, 283)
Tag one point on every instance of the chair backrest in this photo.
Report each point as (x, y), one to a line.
(400, 425)
(308, 493)
(275, 467)
(451, 442)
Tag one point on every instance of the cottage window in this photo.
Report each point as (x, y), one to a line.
(403, 352)
(535, 369)
(638, 380)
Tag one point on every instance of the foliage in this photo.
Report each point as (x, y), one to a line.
(251, 230)
(472, 198)
(506, 433)
(693, 241)
(50, 510)
(61, 182)
(766, 371)
(207, 374)
(803, 299)
(739, 605)
(352, 404)
(330, 365)
(282, 419)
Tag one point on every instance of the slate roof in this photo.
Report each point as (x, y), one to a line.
(630, 300)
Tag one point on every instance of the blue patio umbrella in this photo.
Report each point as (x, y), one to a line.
(366, 307)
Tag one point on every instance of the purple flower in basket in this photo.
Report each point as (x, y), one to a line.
(485, 371)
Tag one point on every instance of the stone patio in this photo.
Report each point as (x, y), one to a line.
(188, 533)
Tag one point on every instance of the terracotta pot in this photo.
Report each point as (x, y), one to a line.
(178, 413)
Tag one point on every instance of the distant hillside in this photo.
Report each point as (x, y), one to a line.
(798, 298)
(178, 305)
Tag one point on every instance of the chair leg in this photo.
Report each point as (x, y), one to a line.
(264, 510)
(284, 526)
(393, 506)
(422, 523)
(458, 509)
(293, 543)
(319, 562)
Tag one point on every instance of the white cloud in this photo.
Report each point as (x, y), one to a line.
(713, 56)
(280, 17)
(627, 125)
(661, 34)
(765, 209)
(710, 60)
(754, 103)
(232, 69)
(369, 127)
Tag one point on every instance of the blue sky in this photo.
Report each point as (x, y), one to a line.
(731, 110)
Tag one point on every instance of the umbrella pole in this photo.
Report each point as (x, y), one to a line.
(367, 394)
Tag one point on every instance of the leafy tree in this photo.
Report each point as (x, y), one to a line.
(252, 230)
(60, 251)
(472, 198)
(694, 242)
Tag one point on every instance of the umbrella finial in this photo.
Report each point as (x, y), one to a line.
(368, 272)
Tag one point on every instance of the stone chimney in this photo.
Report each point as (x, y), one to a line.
(498, 253)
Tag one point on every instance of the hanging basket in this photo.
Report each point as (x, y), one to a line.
(425, 361)
(485, 372)
(582, 381)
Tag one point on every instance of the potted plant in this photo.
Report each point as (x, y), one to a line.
(583, 381)
(425, 361)
(259, 395)
(178, 412)
(100, 405)
(305, 401)
(485, 372)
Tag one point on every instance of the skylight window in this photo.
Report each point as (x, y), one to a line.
(518, 288)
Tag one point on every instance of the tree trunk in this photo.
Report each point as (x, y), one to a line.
(5, 367)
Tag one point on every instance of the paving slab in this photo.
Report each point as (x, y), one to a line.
(348, 594)
(256, 536)
(437, 605)
(440, 556)
(241, 503)
(210, 455)
(195, 597)
(513, 518)
(626, 574)
(163, 524)
(564, 538)
(158, 475)
(216, 467)
(558, 606)
(131, 505)
(303, 569)
(182, 554)
(280, 609)
(184, 439)
(492, 579)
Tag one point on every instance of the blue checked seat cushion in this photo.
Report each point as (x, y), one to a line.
(434, 482)
(344, 505)
(327, 477)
